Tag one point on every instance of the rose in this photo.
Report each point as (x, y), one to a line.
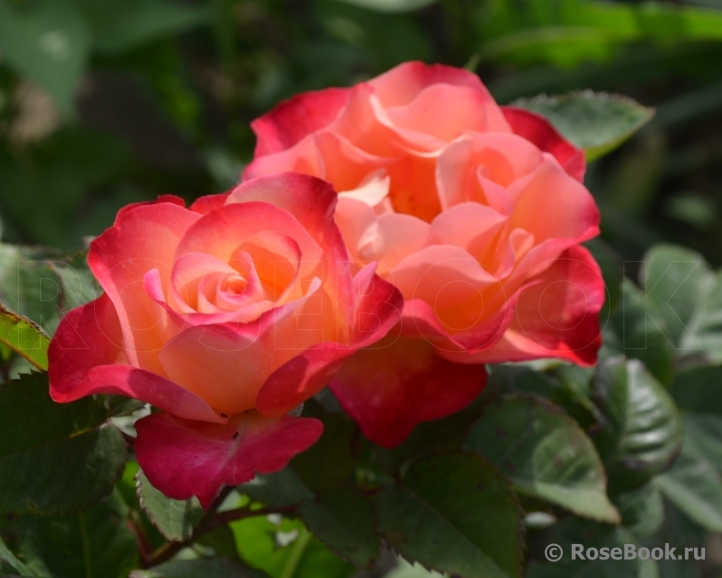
(225, 316)
(474, 211)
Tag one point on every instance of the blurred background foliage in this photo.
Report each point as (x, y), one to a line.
(105, 102)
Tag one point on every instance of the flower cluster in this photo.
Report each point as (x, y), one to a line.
(388, 240)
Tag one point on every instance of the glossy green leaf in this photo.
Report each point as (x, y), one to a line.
(48, 42)
(54, 458)
(277, 490)
(695, 486)
(24, 337)
(454, 513)
(642, 433)
(175, 519)
(596, 122)
(346, 521)
(96, 543)
(545, 454)
(206, 568)
(284, 548)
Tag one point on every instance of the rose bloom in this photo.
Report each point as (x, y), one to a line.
(225, 316)
(475, 212)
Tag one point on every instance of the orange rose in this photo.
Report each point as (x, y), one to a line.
(225, 316)
(475, 212)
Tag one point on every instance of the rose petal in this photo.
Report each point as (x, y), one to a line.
(297, 117)
(228, 364)
(86, 357)
(172, 199)
(538, 130)
(556, 316)
(142, 239)
(551, 205)
(205, 205)
(392, 386)
(402, 84)
(185, 458)
(430, 113)
(378, 307)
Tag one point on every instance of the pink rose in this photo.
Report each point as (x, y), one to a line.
(475, 212)
(224, 316)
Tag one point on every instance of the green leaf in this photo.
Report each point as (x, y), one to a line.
(48, 42)
(591, 535)
(331, 460)
(207, 568)
(406, 570)
(346, 521)
(545, 454)
(54, 458)
(121, 26)
(454, 513)
(28, 285)
(704, 335)
(392, 5)
(175, 519)
(695, 487)
(277, 490)
(642, 433)
(675, 278)
(566, 386)
(24, 337)
(642, 510)
(637, 324)
(93, 544)
(698, 389)
(77, 284)
(596, 122)
(704, 433)
(283, 548)
(9, 558)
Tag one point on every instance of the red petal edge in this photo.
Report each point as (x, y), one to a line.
(539, 131)
(183, 458)
(393, 386)
(297, 117)
(86, 358)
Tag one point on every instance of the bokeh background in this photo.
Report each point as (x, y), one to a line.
(106, 102)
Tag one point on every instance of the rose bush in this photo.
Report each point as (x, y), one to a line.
(225, 316)
(475, 212)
